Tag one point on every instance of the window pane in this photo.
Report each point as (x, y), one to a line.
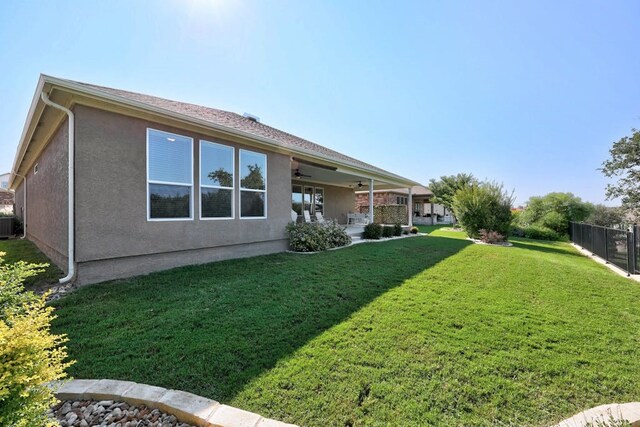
(308, 194)
(253, 167)
(216, 165)
(216, 203)
(318, 201)
(252, 203)
(169, 201)
(169, 157)
(296, 199)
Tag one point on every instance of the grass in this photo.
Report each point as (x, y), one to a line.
(420, 331)
(24, 250)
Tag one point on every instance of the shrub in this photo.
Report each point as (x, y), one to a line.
(414, 230)
(483, 206)
(316, 237)
(555, 221)
(372, 231)
(31, 356)
(387, 232)
(336, 235)
(397, 229)
(537, 232)
(17, 226)
(491, 236)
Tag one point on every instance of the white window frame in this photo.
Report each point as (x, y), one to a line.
(240, 189)
(181, 184)
(233, 182)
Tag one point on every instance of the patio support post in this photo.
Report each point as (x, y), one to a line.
(432, 220)
(371, 201)
(410, 207)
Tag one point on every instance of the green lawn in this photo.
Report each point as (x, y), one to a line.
(420, 331)
(24, 250)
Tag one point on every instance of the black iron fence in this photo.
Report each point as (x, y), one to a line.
(619, 247)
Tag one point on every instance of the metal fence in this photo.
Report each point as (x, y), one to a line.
(6, 226)
(619, 247)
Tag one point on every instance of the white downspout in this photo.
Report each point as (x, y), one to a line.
(71, 271)
(24, 206)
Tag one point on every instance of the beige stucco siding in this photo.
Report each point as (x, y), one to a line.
(47, 199)
(111, 195)
(338, 202)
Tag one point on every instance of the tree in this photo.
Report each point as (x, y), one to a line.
(554, 211)
(222, 177)
(446, 187)
(485, 206)
(624, 165)
(254, 179)
(606, 216)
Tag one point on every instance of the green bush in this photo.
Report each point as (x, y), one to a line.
(397, 229)
(484, 206)
(555, 221)
(31, 356)
(387, 232)
(414, 230)
(372, 231)
(316, 237)
(538, 232)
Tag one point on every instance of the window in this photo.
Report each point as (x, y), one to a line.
(216, 180)
(308, 199)
(296, 199)
(318, 200)
(169, 176)
(4, 184)
(253, 184)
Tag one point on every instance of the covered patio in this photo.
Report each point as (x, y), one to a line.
(328, 189)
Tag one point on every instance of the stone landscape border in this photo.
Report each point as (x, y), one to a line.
(188, 408)
(601, 415)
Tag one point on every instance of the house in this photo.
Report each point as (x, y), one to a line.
(424, 211)
(4, 180)
(111, 183)
(6, 196)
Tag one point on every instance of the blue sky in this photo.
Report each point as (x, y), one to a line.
(530, 94)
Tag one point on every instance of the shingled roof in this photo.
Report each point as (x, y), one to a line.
(232, 121)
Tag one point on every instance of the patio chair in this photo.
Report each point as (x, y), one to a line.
(307, 217)
(319, 217)
(294, 216)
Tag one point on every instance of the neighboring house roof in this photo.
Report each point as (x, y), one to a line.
(215, 118)
(416, 190)
(6, 197)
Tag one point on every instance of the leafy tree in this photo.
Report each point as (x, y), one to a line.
(254, 179)
(483, 207)
(554, 211)
(224, 178)
(624, 165)
(446, 187)
(606, 216)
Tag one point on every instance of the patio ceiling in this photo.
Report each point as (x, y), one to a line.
(334, 176)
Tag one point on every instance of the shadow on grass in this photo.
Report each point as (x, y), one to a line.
(210, 329)
(551, 247)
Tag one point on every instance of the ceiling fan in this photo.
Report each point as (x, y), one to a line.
(299, 174)
(360, 184)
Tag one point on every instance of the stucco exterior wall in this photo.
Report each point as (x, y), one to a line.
(338, 202)
(47, 199)
(111, 204)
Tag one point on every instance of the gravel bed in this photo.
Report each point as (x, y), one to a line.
(87, 413)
